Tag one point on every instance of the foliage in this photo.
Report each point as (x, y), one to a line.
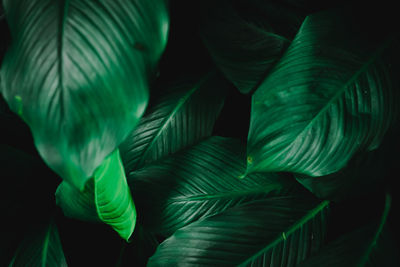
(209, 133)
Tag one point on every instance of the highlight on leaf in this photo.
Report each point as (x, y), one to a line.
(72, 73)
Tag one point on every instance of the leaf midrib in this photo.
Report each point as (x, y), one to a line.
(63, 18)
(226, 194)
(164, 124)
(284, 235)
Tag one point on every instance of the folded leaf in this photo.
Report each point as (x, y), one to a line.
(105, 198)
(371, 245)
(77, 72)
(183, 115)
(329, 97)
(278, 231)
(200, 182)
(246, 38)
(43, 248)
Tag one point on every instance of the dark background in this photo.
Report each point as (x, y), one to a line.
(28, 185)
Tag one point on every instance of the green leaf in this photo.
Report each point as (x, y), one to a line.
(200, 182)
(246, 40)
(77, 72)
(105, 198)
(371, 245)
(278, 231)
(329, 97)
(43, 248)
(181, 117)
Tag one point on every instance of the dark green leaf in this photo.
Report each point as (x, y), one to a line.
(182, 116)
(368, 246)
(41, 249)
(200, 182)
(329, 97)
(278, 231)
(245, 42)
(105, 198)
(77, 72)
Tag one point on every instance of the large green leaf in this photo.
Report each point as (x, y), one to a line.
(329, 97)
(371, 245)
(200, 182)
(105, 198)
(77, 72)
(183, 115)
(245, 47)
(277, 231)
(42, 248)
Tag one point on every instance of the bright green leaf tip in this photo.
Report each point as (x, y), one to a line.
(113, 200)
(249, 163)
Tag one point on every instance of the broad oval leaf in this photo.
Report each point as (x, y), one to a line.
(369, 246)
(106, 197)
(329, 97)
(278, 231)
(183, 115)
(200, 182)
(246, 46)
(77, 72)
(43, 248)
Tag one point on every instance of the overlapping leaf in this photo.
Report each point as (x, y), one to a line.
(277, 231)
(106, 198)
(371, 245)
(42, 248)
(245, 47)
(200, 182)
(182, 116)
(77, 72)
(329, 97)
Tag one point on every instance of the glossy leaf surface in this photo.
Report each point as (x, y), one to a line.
(43, 248)
(278, 231)
(105, 198)
(329, 97)
(371, 245)
(199, 182)
(77, 72)
(183, 115)
(247, 39)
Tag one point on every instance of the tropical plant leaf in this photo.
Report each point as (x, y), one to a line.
(277, 231)
(106, 198)
(77, 72)
(329, 97)
(371, 245)
(245, 47)
(182, 116)
(200, 182)
(43, 248)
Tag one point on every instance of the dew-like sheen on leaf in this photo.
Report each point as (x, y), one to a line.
(77, 72)
(329, 97)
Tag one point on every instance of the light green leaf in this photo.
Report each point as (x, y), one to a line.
(329, 97)
(246, 38)
(200, 182)
(105, 198)
(277, 231)
(41, 249)
(183, 115)
(77, 72)
(369, 246)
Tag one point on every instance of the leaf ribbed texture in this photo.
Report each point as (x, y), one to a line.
(199, 182)
(77, 72)
(329, 97)
(181, 117)
(42, 249)
(279, 231)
